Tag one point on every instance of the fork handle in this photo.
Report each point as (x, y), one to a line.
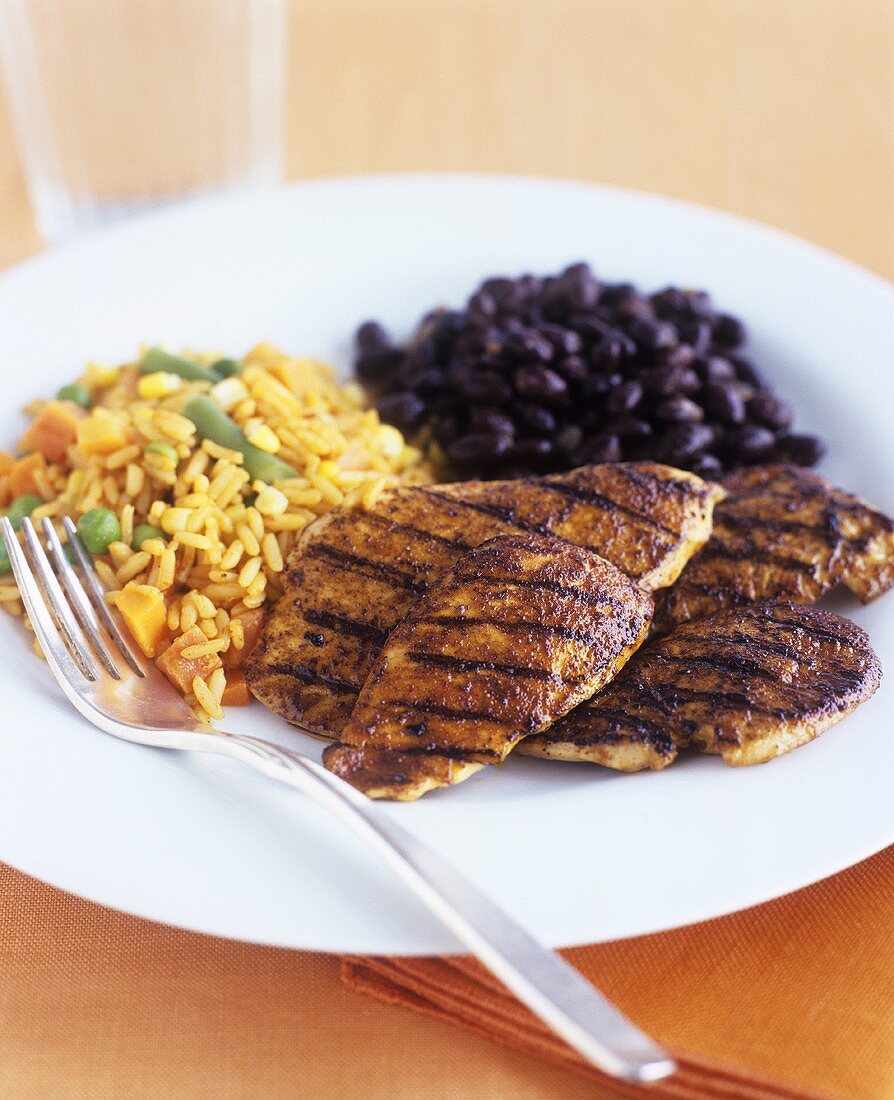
(550, 987)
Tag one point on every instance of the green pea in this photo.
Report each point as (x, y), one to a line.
(69, 551)
(5, 564)
(75, 392)
(227, 367)
(146, 531)
(166, 450)
(21, 507)
(98, 529)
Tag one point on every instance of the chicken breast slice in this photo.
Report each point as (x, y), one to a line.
(522, 629)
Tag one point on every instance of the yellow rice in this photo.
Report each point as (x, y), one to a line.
(227, 538)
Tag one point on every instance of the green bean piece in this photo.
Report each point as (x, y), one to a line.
(160, 447)
(98, 529)
(157, 359)
(213, 423)
(5, 563)
(226, 368)
(21, 507)
(77, 393)
(145, 532)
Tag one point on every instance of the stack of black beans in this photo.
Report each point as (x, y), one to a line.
(544, 374)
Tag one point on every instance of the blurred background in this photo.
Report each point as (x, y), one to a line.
(780, 110)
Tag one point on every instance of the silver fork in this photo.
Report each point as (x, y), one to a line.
(122, 693)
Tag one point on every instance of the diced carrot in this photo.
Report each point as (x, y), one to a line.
(236, 693)
(7, 461)
(21, 476)
(252, 621)
(142, 607)
(54, 429)
(100, 433)
(182, 670)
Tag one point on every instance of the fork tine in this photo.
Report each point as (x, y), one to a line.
(78, 597)
(64, 666)
(60, 607)
(98, 595)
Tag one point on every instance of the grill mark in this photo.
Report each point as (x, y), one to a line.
(308, 676)
(451, 753)
(796, 624)
(343, 624)
(774, 649)
(673, 695)
(382, 520)
(463, 664)
(624, 727)
(514, 627)
(646, 480)
(495, 511)
(783, 526)
(598, 500)
(575, 594)
(438, 711)
(730, 553)
(387, 573)
(717, 664)
(828, 497)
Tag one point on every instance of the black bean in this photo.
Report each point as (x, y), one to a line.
(599, 384)
(611, 350)
(478, 448)
(573, 368)
(429, 382)
(698, 334)
(371, 335)
(629, 427)
(603, 448)
(375, 365)
(624, 398)
(481, 307)
(746, 371)
(531, 450)
(493, 421)
(565, 341)
(715, 369)
(484, 386)
(403, 410)
(536, 418)
(729, 332)
(683, 355)
(722, 400)
(613, 294)
(532, 380)
(679, 410)
(751, 442)
(804, 450)
(707, 465)
(664, 381)
(682, 442)
(569, 438)
(770, 410)
(652, 335)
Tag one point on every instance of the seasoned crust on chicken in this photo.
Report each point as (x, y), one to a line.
(519, 631)
(783, 533)
(357, 572)
(748, 683)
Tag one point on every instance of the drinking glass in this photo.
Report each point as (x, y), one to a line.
(121, 105)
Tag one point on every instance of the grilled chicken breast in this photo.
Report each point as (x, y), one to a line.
(747, 683)
(357, 572)
(783, 533)
(519, 631)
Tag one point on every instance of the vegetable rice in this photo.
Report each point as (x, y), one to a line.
(198, 543)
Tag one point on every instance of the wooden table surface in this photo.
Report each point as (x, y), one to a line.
(780, 110)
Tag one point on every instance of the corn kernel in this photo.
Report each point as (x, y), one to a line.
(391, 441)
(159, 384)
(271, 502)
(264, 438)
(229, 393)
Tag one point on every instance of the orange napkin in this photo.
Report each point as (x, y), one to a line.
(791, 999)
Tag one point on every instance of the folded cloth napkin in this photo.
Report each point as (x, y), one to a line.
(794, 998)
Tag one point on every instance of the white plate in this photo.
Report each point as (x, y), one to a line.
(579, 854)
